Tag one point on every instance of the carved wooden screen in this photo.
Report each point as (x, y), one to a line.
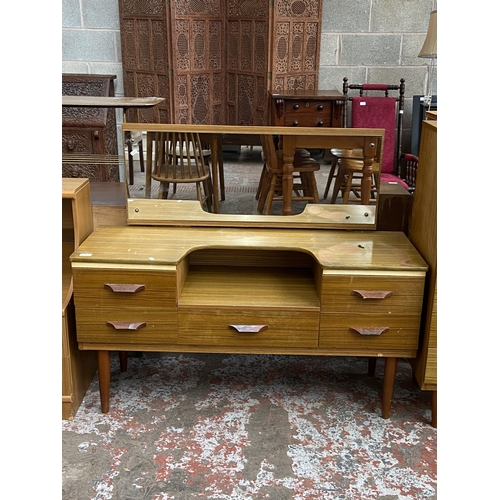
(145, 62)
(247, 61)
(296, 44)
(197, 35)
(215, 60)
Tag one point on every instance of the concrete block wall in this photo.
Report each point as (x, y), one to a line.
(365, 40)
(376, 41)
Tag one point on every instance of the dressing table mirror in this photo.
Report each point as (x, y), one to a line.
(361, 215)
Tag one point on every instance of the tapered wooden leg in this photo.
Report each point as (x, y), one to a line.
(434, 421)
(123, 355)
(391, 367)
(372, 365)
(104, 374)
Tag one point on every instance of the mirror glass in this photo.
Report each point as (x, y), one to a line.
(246, 171)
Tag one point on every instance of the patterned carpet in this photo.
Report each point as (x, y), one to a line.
(242, 427)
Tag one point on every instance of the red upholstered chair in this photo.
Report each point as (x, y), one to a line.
(369, 111)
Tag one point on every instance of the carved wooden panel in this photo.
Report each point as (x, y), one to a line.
(197, 30)
(215, 60)
(145, 61)
(296, 44)
(247, 61)
(89, 130)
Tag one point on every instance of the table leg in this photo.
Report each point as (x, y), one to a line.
(391, 367)
(104, 374)
(123, 356)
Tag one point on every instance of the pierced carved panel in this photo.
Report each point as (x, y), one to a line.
(211, 58)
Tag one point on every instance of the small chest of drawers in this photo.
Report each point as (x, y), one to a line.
(306, 108)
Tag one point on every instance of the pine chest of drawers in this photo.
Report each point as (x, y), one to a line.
(248, 290)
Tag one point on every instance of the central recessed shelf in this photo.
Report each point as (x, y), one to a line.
(251, 287)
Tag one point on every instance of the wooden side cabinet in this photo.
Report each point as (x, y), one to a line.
(423, 235)
(78, 367)
(89, 131)
(306, 108)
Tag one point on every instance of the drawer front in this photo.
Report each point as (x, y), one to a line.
(212, 327)
(77, 141)
(124, 288)
(308, 113)
(369, 331)
(126, 326)
(352, 294)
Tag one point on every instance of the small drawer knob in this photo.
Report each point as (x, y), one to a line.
(320, 123)
(295, 106)
(320, 107)
(295, 123)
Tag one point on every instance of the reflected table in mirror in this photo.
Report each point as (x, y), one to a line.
(368, 140)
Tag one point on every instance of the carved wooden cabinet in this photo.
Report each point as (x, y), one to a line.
(214, 61)
(89, 131)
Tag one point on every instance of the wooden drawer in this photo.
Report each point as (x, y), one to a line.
(343, 293)
(284, 328)
(124, 288)
(397, 332)
(157, 326)
(308, 114)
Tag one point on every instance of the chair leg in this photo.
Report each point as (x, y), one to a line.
(130, 163)
(220, 162)
(270, 194)
(338, 183)
(259, 187)
(330, 177)
(141, 156)
(264, 190)
(347, 189)
(313, 187)
(163, 190)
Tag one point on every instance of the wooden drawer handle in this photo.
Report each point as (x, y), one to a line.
(249, 328)
(372, 294)
(376, 330)
(124, 288)
(126, 325)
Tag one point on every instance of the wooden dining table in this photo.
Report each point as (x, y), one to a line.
(368, 140)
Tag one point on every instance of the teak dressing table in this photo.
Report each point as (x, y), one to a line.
(179, 279)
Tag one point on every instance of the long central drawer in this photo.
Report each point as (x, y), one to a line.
(248, 328)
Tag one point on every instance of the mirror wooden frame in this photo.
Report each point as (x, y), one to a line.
(331, 216)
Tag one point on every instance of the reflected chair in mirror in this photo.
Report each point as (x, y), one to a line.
(178, 158)
(270, 187)
(133, 140)
(369, 111)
